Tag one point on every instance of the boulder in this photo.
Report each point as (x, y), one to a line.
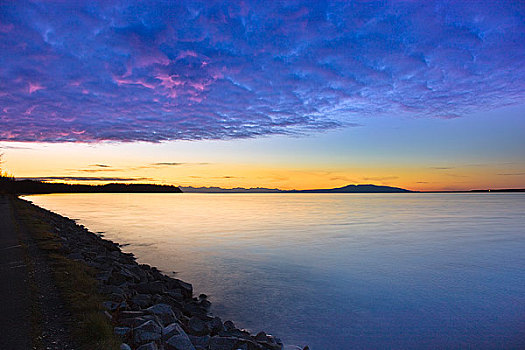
(148, 346)
(185, 288)
(223, 343)
(178, 340)
(122, 331)
(171, 330)
(154, 287)
(141, 300)
(163, 312)
(146, 332)
(196, 326)
(200, 342)
(215, 325)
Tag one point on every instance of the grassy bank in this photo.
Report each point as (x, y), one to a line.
(75, 280)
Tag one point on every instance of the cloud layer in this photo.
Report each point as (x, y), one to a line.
(152, 71)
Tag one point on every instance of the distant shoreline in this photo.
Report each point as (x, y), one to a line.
(28, 187)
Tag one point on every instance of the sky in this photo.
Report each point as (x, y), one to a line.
(425, 95)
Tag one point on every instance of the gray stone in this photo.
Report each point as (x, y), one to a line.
(223, 343)
(153, 287)
(122, 331)
(179, 342)
(200, 342)
(215, 325)
(131, 314)
(147, 331)
(163, 312)
(171, 330)
(135, 322)
(228, 325)
(117, 278)
(141, 300)
(185, 288)
(148, 346)
(125, 346)
(196, 326)
(175, 294)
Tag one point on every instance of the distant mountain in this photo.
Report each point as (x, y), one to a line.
(229, 190)
(356, 189)
(345, 189)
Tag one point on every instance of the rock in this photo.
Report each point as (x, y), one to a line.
(110, 305)
(179, 340)
(205, 304)
(185, 288)
(200, 342)
(223, 343)
(193, 309)
(141, 300)
(171, 330)
(131, 314)
(116, 278)
(228, 325)
(196, 326)
(75, 256)
(163, 312)
(125, 346)
(146, 332)
(153, 287)
(236, 333)
(122, 331)
(215, 325)
(175, 294)
(148, 346)
(135, 322)
(271, 346)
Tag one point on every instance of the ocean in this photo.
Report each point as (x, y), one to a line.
(334, 271)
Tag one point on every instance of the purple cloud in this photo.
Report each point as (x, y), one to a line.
(136, 71)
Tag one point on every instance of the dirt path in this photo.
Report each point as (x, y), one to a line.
(15, 315)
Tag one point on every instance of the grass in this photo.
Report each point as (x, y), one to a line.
(75, 281)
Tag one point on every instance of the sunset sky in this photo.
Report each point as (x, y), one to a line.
(425, 95)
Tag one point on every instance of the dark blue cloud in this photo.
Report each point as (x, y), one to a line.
(153, 71)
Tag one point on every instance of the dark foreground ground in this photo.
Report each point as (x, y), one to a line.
(14, 286)
(63, 287)
(33, 314)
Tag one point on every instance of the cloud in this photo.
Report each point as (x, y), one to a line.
(168, 164)
(86, 178)
(101, 165)
(512, 174)
(192, 70)
(442, 167)
(13, 147)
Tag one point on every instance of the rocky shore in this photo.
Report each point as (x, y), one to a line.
(149, 310)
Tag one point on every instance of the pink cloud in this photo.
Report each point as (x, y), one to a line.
(33, 87)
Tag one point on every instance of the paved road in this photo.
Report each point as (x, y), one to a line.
(15, 324)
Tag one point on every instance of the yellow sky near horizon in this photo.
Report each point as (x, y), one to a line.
(111, 162)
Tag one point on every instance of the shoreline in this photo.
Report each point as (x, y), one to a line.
(148, 309)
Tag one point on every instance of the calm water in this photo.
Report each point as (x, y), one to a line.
(335, 271)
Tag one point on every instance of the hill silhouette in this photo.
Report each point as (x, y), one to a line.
(356, 189)
(12, 186)
(344, 189)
